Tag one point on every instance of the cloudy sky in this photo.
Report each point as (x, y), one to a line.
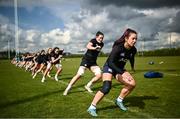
(70, 24)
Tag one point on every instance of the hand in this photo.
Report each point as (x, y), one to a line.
(60, 56)
(98, 47)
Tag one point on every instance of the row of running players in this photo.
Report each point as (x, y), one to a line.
(41, 62)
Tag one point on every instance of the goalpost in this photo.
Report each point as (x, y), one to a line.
(16, 29)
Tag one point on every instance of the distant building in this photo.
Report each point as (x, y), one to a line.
(66, 53)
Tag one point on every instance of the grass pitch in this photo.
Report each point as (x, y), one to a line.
(21, 96)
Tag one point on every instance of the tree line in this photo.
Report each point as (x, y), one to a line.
(159, 52)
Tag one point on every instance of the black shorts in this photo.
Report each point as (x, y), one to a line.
(107, 69)
(87, 63)
(40, 61)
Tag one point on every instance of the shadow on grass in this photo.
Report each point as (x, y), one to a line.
(134, 101)
(28, 99)
(66, 78)
(138, 101)
(77, 89)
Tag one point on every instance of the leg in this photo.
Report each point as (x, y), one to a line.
(97, 71)
(48, 73)
(49, 66)
(27, 65)
(107, 77)
(74, 79)
(129, 83)
(34, 67)
(41, 67)
(59, 69)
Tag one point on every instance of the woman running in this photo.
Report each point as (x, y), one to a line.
(56, 56)
(49, 64)
(40, 63)
(89, 61)
(122, 51)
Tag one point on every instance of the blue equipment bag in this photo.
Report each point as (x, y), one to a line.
(153, 74)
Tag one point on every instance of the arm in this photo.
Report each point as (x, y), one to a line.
(55, 60)
(132, 63)
(34, 59)
(90, 46)
(132, 60)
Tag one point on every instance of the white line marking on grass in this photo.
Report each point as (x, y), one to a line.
(172, 74)
(63, 82)
(110, 101)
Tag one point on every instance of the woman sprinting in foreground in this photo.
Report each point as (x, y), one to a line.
(122, 51)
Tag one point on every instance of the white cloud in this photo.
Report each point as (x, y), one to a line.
(159, 13)
(81, 32)
(167, 39)
(32, 34)
(56, 36)
(31, 40)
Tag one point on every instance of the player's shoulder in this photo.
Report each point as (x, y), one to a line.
(118, 48)
(93, 40)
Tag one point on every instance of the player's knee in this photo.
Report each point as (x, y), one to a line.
(97, 71)
(60, 69)
(132, 85)
(81, 71)
(98, 76)
(106, 87)
(48, 65)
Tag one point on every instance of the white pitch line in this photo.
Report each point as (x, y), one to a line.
(172, 74)
(110, 101)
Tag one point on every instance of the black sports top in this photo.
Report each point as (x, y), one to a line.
(56, 56)
(40, 58)
(92, 55)
(47, 57)
(119, 56)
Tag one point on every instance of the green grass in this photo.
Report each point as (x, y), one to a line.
(21, 96)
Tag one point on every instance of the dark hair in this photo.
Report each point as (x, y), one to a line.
(122, 38)
(53, 50)
(99, 33)
(42, 51)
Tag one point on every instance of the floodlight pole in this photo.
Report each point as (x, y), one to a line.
(170, 41)
(16, 29)
(8, 50)
(143, 47)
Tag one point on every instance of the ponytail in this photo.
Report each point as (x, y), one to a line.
(122, 38)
